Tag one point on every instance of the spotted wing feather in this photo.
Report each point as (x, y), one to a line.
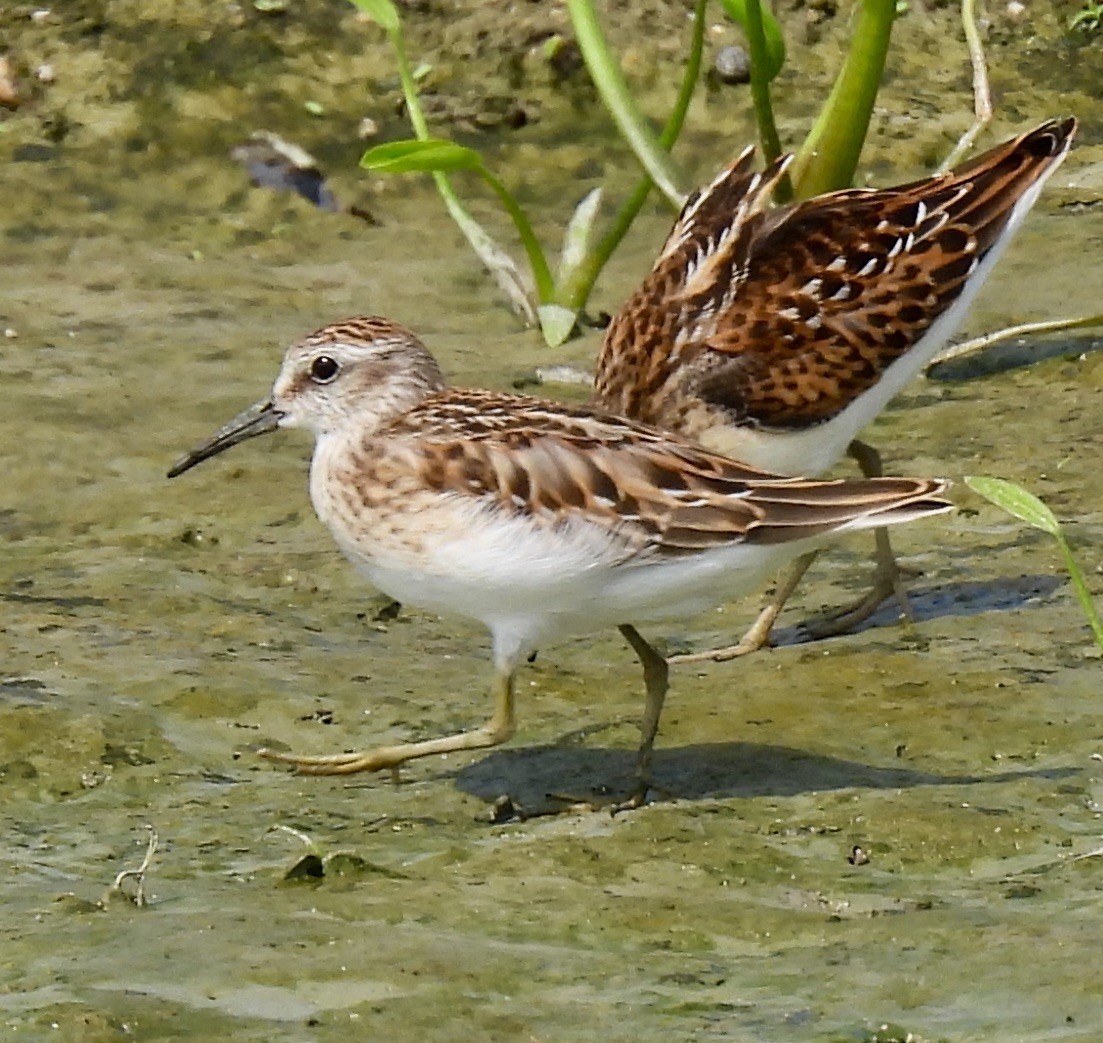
(656, 495)
(707, 247)
(813, 302)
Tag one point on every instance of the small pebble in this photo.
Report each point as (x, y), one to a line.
(10, 97)
(732, 64)
(857, 856)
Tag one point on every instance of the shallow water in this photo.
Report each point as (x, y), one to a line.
(153, 631)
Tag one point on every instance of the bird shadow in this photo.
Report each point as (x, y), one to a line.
(701, 771)
(741, 769)
(967, 598)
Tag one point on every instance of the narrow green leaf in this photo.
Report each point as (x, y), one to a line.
(576, 239)
(1016, 501)
(431, 155)
(775, 41)
(618, 100)
(382, 12)
(556, 323)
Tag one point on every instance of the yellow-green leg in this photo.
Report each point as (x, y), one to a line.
(499, 728)
(758, 635)
(655, 674)
(888, 577)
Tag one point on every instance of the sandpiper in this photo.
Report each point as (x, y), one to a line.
(539, 520)
(775, 335)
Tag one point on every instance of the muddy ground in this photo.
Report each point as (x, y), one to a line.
(151, 633)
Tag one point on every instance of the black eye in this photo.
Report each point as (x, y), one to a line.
(323, 369)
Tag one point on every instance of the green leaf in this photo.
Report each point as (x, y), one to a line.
(576, 239)
(382, 12)
(556, 323)
(1016, 501)
(429, 156)
(502, 268)
(775, 41)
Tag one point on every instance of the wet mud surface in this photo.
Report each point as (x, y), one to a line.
(152, 632)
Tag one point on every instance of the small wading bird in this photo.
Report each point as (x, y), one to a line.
(774, 335)
(539, 520)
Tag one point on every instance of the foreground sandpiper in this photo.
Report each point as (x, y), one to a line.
(774, 335)
(539, 520)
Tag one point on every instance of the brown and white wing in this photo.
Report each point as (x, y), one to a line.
(836, 289)
(653, 495)
(711, 223)
(707, 248)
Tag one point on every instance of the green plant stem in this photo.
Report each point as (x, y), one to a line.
(677, 116)
(614, 92)
(541, 273)
(479, 240)
(829, 156)
(1080, 586)
(576, 291)
(768, 138)
(409, 86)
(452, 202)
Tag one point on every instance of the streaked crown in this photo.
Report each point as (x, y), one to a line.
(363, 372)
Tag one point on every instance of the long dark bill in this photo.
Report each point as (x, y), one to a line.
(256, 420)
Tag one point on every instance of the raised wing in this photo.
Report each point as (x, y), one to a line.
(800, 309)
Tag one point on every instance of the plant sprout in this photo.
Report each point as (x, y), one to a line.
(1028, 508)
(556, 301)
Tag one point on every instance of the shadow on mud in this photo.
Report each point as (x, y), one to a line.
(719, 770)
(970, 598)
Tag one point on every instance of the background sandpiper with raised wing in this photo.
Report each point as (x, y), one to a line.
(774, 335)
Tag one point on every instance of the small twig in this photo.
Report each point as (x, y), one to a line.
(1059, 863)
(138, 875)
(298, 834)
(982, 93)
(978, 344)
